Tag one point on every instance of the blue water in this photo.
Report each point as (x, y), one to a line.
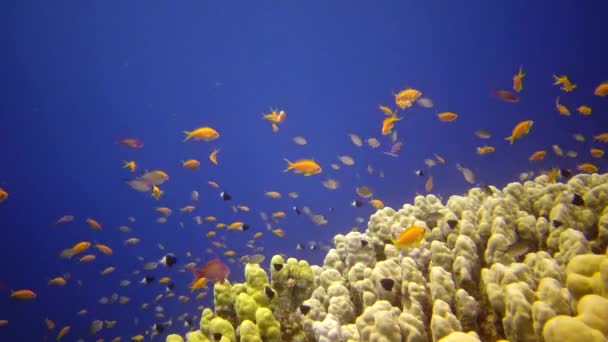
(78, 75)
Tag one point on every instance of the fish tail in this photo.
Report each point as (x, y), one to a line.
(289, 165)
(510, 140)
(557, 80)
(188, 135)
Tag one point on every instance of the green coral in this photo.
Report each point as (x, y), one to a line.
(174, 338)
(269, 327)
(245, 307)
(223, 328)
(249, 332)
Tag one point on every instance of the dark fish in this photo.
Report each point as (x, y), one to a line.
(245, 227)
(168, 260)
(331, 209)
(225, 196)
(296, 210)
(269, 293)
(312, 245)
(299, 247)
(217, 336)
(356, 203)
(387, 283)
(304, 309)
(419, 173)
(188, 323)
(170, 286)
(565, 173)
(364, 243)
(158, 328)
(452, 223)
(556, 223)
(278, 267)
(147, 280)
(578, 200)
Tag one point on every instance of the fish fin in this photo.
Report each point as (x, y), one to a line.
(510, 140)
(188, 135)
(289, 165)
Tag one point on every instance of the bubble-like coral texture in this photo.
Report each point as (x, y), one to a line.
(525, 263)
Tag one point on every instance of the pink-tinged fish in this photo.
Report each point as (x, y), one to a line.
(214, 270)
(131, 142)
(505, 95)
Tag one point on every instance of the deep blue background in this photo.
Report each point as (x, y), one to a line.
(77, 75)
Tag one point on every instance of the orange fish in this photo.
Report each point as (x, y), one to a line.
(538, 155)
(596, 153)
(279, 232)
(58, 281)
(518, 80)
(104, 249)
(387, 111)
(439, 158)
(202, 133)
(505, 95)
(64, 331)
(410, 237)
(87, 258)
(601, 90)
(407, 97)
(191, 164)
(306, 166)
(3, 195)
(213, 156)
(428, 186)
(388, 124)
(93, 224)
(563, 110)
(485, 150)
(23, 294)
(3, 322)
(603, 137)
(584, 110)
(565, 83)
(213, 184)
(447, 116)
(131, 165)
(520, 130)
(587, 167)
(157, 192)
(131, 142)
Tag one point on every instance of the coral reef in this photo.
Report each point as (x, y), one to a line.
(528, 263)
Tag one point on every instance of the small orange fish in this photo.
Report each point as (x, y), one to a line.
(565, 83)
(64, 331)
(202, 133)
(520, 130)
(538, 155)
(3, 195)
(439, 158)
(518, 80)
(406, 98)
(87, 258)
(447, 116)
(108, 270)
(275, 127)
(58, 281)
(584, 110)
(587, 167)
(236, 225)
(387, 111)
(24, 294)
(601, 90)
(104, 249)
(131, 165)
(187, 209)
(3, 322)
(377, 204)
(157, 192)
(279, 215)
(388, 124)
(273, 194)
(410, 237)
(191, 164)
(93, 224)
(164, 210)
(505, 95)
(213, 184)
(307, 167)
(279, 232)
(213, 156)
(132, 241)
(428, 186)
(603, 137)
(485, 150)
(596, 153)
(198, 284)
(50, 325)
(563, 110)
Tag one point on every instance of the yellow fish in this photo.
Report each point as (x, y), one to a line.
(410, 237)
